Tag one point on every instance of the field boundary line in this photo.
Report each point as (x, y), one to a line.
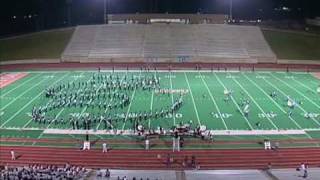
(259, 107)
(214, 101)
(246, 119)
(301, 94)
(194, 104)
(215, 132)
(4, 94)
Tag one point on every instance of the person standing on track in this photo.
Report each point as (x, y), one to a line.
(13, 156)
(147, 144)
(104, 147)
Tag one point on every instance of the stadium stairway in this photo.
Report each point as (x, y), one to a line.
(156, 159)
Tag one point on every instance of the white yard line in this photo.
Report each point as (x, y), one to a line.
(194, 104)
(255, 103)
(106, 110)
(174, 117)
(151, 107)
(315, 82)
(214, 101)
(273, 101)
(286, 96)
(307, 87)
(151, 104)
(235, 102)
(59, 113)
(42, 91)
(27, 90)
(86, 107)
(4, 94)
(295, 90)
(26, 105)
(134, 92)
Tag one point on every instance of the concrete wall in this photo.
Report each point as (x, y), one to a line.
(193, 18)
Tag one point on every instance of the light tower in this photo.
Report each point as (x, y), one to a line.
(105, 11)
(230, 10)
(69, 4)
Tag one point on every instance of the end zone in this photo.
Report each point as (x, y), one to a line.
(9, 78)
(316, 75)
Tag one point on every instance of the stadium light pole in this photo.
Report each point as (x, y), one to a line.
(105, 11)
(230, 10)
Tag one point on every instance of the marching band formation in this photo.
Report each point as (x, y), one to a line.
(106, 95)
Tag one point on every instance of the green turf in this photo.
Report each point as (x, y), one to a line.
(49, 44)
(204, 104)
(293, 46)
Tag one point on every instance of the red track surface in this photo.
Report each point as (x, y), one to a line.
(141, 159)
(156, 141)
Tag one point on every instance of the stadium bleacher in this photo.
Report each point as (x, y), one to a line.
(168, 43)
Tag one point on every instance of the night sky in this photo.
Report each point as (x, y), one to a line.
(18, 16)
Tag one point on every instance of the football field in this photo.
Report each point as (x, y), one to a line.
(257, 102)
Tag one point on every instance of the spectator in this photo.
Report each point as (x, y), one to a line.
(43, 172)
(185, 161)
(107, 174)
(193, 161)
(99, 173)
(305, 172)
(168, 160)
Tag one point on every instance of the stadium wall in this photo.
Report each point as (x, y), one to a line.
(30, 61)
(314, 22)
(192, 18)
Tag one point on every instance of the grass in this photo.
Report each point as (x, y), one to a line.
(46, 45)
(293, 46)
(204, 104)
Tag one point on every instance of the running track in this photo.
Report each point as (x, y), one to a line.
(142, 159)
